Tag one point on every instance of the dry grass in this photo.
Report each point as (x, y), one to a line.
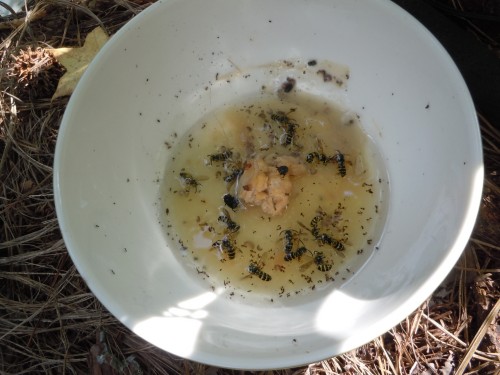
(50, 322)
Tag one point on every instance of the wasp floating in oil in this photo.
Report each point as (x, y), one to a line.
(254, 269)
(280, 117)
(295, 254)
(188, 181)
(319, 157)
(319, 260)
(289, 127)
(223, 155)
(233, 175)
(289, 134)
(315, 225)
(225, 218)
(289, 238)
(339, 157)
(225, 246)
(328, 240)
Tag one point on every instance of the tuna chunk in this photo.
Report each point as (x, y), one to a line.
(261, 183)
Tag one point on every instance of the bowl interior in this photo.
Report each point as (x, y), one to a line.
(160, 74)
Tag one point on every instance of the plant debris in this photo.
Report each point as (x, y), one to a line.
(34, 72)
(76, 60)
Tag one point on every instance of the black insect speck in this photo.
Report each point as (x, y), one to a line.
(282, 170)
(327, 77)
(231, 201)
(288, 85)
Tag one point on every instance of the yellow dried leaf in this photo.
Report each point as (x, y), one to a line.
(76, 60)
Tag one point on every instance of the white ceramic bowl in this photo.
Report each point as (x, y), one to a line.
(157, 76)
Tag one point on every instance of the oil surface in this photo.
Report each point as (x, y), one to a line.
(334, 210)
